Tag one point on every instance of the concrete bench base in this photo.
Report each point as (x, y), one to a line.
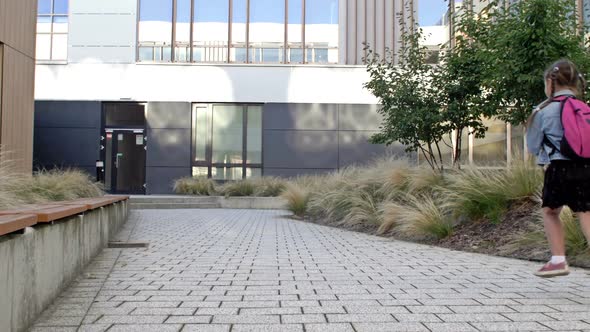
(37, 265)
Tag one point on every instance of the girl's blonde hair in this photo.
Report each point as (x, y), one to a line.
(563, 73)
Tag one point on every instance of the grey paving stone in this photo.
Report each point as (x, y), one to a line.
(246, 319)
(53, 329)
(515, 326)
(145, 328)
(207, 270)
(389, 327)
(307, 318)
(333, 327)
(206, 328)
(94, 327)
(450, 327)
(268, 328)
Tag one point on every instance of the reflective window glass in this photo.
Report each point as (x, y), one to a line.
(60, 24)
(210, 30)
(227, 134)
(321, 28)
(60, 6)
(146, 54)
(267, 24)
(227, 173)
(295, 31)
(44, 24)
(200, 172)
(183, 30)
(253, 173)
(44, 7)
(491, 150)
(155, 25)
(59, 47)
(43, 49)
(238, 35)
(202, 132)
(254, 135)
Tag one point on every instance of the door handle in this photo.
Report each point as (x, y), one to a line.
(117, 159)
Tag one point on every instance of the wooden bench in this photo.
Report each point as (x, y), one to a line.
(13, 223)
(28, 215)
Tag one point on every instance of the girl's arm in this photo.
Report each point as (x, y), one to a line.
(534, 133)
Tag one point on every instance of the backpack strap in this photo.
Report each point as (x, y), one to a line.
(562, 100)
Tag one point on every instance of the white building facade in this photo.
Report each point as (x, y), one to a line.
(143, 92)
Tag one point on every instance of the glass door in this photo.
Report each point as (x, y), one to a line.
(125, 161)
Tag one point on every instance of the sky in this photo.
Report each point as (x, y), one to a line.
(317, 11)
(431, 11)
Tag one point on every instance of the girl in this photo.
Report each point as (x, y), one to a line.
(567, 182)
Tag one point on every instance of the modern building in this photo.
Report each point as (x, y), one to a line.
(17, 75)
(154, 90)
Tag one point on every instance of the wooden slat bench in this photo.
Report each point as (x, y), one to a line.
(13, 223)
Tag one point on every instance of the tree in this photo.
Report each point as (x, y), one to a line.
(517, 42)
(411, 113)
(458, 82)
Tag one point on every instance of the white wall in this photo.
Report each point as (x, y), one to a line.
(102, 31)
(203, 83)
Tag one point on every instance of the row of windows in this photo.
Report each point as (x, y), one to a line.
(241, 31)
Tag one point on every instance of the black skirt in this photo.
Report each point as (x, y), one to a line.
(567, 183)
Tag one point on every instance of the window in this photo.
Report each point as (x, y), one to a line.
(227, 141)
(155, 30)
(321, 31)
(52, 30)
(238, 31)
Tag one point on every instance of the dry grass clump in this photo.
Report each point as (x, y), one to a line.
(44, 186)
(296, 198)
(268, 186)
(575, 241)
(419, 217)
(200, 186)
(237, 188)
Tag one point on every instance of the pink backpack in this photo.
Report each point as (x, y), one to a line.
(575, 118)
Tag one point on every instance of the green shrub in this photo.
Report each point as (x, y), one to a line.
(200, 186)
(297, 199)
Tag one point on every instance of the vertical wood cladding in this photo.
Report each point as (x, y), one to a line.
(17, 36)
(374, 22)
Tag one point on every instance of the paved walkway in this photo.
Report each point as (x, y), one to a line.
(238, 270)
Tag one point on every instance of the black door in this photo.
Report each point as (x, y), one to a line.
(126, 150)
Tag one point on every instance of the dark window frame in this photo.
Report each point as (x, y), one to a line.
(208, 162)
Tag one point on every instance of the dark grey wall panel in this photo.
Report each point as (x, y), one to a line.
(68, 114)
(160, 180)
(169, 147)
(301, 116)
(359, 117)
(66, 147)
(169, 115)
(300, 149)
(293, 172)
(355, 148)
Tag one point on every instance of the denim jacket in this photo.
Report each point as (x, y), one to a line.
(547, 123)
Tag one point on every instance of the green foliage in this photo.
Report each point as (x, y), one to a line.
(517, 44)
(411, 113)
(575, 241)
(200, 186)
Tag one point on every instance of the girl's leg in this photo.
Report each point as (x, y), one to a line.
(554, 231)
(584, 218)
